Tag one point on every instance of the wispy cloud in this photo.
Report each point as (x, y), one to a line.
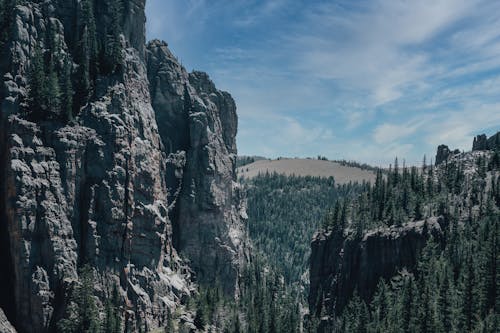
(362, 80)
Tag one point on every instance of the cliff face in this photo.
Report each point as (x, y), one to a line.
(207, 202)
(340, 265)
(482, 142)
(113, 188)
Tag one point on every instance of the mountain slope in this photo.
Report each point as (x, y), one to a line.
(418, 251)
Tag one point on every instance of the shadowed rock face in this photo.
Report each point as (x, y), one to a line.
(339, 265)
(108, 190)
(5, 325)
(198, 123)
(443, 152)
(482, 142)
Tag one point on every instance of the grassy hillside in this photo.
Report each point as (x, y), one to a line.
(342, 173)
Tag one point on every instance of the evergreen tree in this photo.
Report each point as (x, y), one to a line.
(112, 311)
(36, 81)
(199, 319)
(52, 94)
(7, 8)
(86, 54)
(82, 314)
(113, 52)
(67, 91)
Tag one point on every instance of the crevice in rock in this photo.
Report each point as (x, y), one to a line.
(59, 303)
(83, 210)
(7, 295)
(183, 182)
(125, 209)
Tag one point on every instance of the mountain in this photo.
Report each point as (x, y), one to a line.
(417, 251)
(342, 172)
(118, 172)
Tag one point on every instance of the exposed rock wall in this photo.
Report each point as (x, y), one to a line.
(117, 186)
(482, 142)
(443, 153)
(208, 207)
(339, 265)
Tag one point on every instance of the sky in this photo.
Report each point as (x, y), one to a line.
(366, 80)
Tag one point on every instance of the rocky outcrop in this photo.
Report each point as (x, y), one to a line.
(199, 123)
(341, 265)
(115, 188)
(443, 153)
(482, 142)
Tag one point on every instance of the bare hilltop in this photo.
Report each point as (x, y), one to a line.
(343, 174)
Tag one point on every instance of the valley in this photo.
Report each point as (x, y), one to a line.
(126, 206)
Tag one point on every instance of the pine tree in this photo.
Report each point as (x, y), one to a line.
(36, 85)
(468, 295)
(380, 307)
(86, 55)
(444, 316)
(52, 94)
(6, 19)
(199, 319)
(67, 91)
(112, 311)
(82, 314)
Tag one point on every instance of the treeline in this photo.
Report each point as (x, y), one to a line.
(82, 313)
(455, 287)
(245, 160)
(408, 194)
(358, 165)
(453, 290)
(266, 304)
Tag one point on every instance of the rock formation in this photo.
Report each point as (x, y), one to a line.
(443, 153)
(198, 123)
(482, 142)
(132, 179)
(341, 265)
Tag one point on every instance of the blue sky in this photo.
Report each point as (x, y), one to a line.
(360, 80)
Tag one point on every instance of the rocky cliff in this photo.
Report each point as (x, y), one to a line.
(341, 265)
(142, 168)
(482, 142)
(351, 258)
(443, 153)
(198, 125)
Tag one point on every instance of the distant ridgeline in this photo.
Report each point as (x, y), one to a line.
(416, 252)
(245, 160)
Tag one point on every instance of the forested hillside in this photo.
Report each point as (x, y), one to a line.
(445, 220)
(284, 211)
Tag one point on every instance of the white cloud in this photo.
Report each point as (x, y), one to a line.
(375, 49)
(365, 80)
(458, 128)
(389, 132)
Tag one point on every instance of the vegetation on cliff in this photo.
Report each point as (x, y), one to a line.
(455, 285)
